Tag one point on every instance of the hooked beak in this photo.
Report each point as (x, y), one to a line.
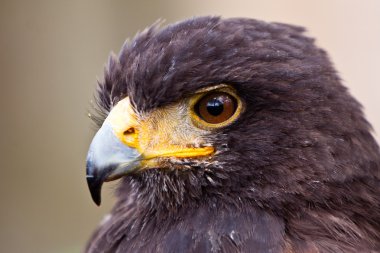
(113, 152)
(108, 159)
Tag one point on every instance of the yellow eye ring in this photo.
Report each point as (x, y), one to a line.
(215, 107)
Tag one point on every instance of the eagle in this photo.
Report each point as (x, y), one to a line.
(232, 135)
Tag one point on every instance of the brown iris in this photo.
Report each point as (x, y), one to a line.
(216, 107)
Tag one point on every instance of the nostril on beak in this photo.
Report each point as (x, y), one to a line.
(129, 131)
(130, 137)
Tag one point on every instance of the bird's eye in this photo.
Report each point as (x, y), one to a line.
(215, 108)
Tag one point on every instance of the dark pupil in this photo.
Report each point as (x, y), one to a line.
(215, 107)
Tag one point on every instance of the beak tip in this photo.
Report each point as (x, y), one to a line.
(97, 201)
(95, 187)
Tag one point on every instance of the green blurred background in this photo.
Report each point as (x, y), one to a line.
(51, 53)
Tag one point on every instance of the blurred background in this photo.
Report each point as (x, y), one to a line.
(52, 52)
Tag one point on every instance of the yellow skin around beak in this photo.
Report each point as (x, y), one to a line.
(165, 132)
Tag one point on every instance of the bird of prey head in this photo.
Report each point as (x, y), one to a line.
(237, 129)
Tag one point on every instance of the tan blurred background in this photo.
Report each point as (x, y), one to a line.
(50, 55)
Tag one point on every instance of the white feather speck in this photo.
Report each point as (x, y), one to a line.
(105, 219)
